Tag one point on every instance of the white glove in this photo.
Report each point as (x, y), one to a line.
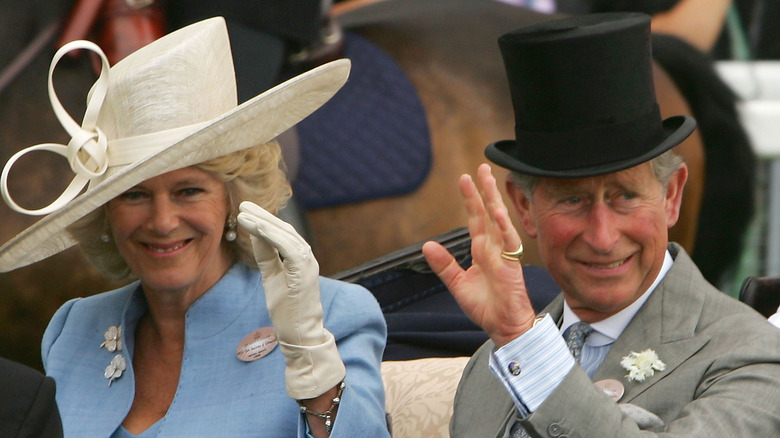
(292, 295)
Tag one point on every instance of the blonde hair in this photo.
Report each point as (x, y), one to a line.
(255, 174)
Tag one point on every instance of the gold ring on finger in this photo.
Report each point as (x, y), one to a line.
(515, 255)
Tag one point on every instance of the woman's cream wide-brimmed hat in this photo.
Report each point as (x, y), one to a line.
(169, 105)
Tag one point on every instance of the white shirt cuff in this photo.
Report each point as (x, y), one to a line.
(532, 366)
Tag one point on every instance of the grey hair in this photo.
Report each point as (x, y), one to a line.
(664, 166)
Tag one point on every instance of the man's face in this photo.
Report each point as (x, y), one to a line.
(602, 238)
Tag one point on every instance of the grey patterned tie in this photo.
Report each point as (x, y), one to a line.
(575, 337)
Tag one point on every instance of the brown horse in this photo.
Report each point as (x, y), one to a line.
(446, 47)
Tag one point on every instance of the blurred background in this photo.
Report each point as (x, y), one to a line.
(376, 169)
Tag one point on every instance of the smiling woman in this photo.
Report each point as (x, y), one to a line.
(169, 230)
(183, 188)
(261, 180)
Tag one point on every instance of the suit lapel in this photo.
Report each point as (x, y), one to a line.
(666, 324)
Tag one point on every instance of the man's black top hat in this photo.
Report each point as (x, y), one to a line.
(583, 96)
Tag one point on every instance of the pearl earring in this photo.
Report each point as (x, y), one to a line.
(105, 238)
(230, 230)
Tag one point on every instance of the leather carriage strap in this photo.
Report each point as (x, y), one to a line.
(119, 27)
(76, 26)
(80, 21)
(25, 57)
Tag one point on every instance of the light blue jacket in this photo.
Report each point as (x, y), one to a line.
(218, 394)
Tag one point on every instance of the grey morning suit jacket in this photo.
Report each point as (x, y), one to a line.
(722, 376)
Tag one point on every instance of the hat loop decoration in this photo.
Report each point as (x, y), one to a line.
(169, 105)
(86, 150)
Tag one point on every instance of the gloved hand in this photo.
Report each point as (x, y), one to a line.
(292, 295)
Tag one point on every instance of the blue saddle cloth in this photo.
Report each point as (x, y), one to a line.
(370, 140)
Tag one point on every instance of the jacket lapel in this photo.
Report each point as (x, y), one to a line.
(666, 324)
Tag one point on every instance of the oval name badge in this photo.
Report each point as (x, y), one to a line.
(614, 389)
(256, 344)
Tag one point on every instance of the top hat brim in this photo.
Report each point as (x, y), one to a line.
(256, 121)
(674, 130)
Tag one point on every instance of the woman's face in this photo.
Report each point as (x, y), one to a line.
(169, 231)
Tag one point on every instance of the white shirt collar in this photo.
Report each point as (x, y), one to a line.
(608, 330)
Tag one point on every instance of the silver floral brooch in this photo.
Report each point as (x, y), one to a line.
(112, 343)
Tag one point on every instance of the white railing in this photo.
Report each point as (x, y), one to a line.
(757, 83)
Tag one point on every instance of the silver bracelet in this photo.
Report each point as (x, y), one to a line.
(327, 415)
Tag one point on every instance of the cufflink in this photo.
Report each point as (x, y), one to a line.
(514, 368)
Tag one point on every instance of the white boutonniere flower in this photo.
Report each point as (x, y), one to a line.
(642, 365)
